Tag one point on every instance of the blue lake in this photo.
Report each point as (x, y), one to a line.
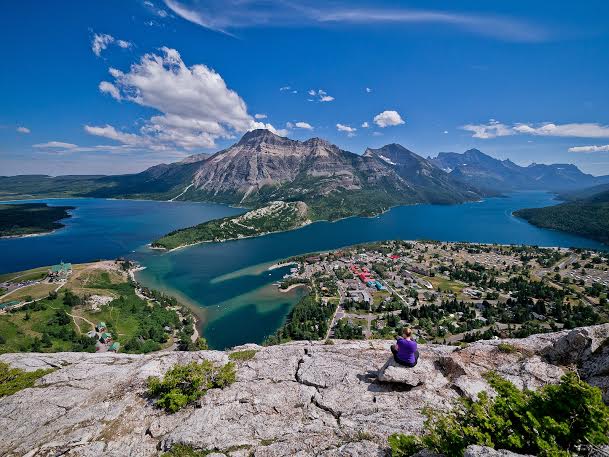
(103, 229)
(229, 284)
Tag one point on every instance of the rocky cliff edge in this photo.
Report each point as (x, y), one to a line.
(296, 399)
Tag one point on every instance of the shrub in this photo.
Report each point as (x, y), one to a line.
(506, 347)
(242, 356)
(180, 450)
(201, 344)
(185, 384)
(14, 379)
(553, 421)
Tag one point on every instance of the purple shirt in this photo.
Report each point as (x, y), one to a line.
(406, 349)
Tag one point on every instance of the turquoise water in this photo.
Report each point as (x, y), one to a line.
(229, 284)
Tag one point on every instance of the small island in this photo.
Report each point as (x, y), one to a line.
(31, 218)
(275, 217)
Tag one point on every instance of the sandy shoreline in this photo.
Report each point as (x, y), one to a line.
(292, 286)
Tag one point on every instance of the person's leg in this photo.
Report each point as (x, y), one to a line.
(394, 350)
(416, 357)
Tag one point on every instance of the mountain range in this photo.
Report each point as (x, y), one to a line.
(476, 168)
(263, 167)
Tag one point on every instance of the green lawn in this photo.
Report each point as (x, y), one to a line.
(27, 275)
(19, 331)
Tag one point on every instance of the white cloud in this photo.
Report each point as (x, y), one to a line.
(578, 130)
(225, 15)
(260, 116)
(284, 88)
(55, 145)
(303, 125)
(22, 129)
(491, 130)
(368, 90)
(110, 89)
(158, 11)
(346, 128)
(604, 148)
(584, 130)
(445, 132)
(388, 119)
(365, 125)
(195, 106)
(377, 133)
(101, 41)
(320, 95)
(111, 133)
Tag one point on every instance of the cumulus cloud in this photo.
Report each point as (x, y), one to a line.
(368, 90)
(388, 119)
(604, 148)
(101, 41)
(491, 130)
(260, 116)
(194, 103)
(320, 95)
(299, 125)
(365, 125)
(110, 89)
(495, 129)
(347, 129)
(22, 129)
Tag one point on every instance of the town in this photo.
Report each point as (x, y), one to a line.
(448, 292)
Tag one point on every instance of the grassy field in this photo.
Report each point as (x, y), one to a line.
(445, 284)
(27, 275)
(59, 322)
(33, 292)
(379, 296)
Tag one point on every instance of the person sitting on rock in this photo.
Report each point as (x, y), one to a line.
(405, 349)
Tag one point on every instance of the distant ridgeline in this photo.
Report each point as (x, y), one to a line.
(31, 218)
(333, 183)
(585, 213)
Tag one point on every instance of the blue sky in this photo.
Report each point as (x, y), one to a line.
(116, 86)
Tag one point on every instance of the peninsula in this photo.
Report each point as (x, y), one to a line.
(274, 217)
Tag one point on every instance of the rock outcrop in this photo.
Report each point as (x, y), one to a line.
(296, 399)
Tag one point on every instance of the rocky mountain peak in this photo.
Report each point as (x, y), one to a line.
(259, 136)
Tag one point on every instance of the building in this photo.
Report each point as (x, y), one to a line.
(114, 347)
(101, 327)
(60, 271)
(105, 338)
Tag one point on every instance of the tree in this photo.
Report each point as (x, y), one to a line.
(553, 421)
